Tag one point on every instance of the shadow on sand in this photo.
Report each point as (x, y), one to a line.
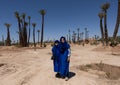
(71, 74)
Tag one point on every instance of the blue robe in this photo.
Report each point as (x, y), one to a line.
(64, 64)
(56, 54)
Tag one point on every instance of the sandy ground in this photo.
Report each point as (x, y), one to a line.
(25, 66)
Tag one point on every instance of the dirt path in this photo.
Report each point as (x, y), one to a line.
(29, 67)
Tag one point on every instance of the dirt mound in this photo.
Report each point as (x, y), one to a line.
(102, 70)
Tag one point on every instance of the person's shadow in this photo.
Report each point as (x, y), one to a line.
(71, 74)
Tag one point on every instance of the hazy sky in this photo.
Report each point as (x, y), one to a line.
(61, 15)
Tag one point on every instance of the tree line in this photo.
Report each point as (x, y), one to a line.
(24, 30)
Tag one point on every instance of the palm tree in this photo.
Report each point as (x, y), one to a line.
(8, 40)
(26, 43)
(78, 38)
(19, 25)
(74, 37)
(101, 15)
(117, 22)
(42, 12)
(85, 34)
(24, 25)
(105, 7)
(34, 25)
(95, 37)
(18, 40)
(69, 36)
(38, 35)
(82, 36)
(29, 29)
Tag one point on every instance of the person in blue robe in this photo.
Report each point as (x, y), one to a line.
(64, 58)
(55, 57)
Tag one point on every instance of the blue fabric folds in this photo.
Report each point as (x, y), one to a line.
(64, 64)
(56, 54)
(60, 53)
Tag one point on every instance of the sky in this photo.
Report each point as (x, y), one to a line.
(61, 15)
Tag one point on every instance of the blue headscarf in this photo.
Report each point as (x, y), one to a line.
(63, 46)
(55, 49)
(56, 41)
(62, 38)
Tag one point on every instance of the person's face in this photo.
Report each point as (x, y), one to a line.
(56, 44)
(62, 40)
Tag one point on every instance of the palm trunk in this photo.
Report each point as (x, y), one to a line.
(25, 36)
(8, 38)
(78, 39)
(29, 33)
(42, 32)
(38, 36)
(106, 30)
(85, 34)
(34, 36)
(20, 32)
(3, 40)
(25, 33)
(117, 22)
(69, 37)
(116, 29)
(102, 31)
